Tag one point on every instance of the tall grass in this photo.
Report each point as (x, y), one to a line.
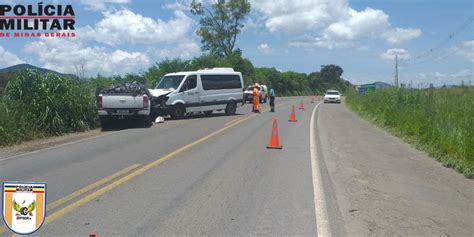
(36, 105)
(439, 121)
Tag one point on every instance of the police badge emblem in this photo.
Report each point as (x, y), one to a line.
(24, 206)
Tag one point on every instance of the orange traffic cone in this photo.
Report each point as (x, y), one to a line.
(274, 141)
(301, 105)
(292, 115)
(312, 99)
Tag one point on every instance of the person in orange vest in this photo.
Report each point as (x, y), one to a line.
(256, 98)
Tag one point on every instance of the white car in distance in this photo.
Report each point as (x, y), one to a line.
(332, 96)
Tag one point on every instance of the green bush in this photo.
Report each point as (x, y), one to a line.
(439, 121)
(44, 105)
(13, 123)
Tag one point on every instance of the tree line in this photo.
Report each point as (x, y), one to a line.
(287, 83)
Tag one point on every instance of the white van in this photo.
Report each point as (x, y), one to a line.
(208, 90)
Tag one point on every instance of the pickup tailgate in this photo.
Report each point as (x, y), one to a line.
(122, 101)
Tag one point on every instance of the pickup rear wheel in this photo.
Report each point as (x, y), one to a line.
(231, 108)
(105, 122)
(178, 111)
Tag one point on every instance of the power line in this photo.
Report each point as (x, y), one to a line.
(435, 58)
(433, 50)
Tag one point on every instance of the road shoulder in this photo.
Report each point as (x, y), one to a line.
(386, 187)
(42, 143)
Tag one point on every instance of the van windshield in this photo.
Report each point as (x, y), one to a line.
(169, 82)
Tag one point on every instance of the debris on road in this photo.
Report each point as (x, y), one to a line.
(159, 119)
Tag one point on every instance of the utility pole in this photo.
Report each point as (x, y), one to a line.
(396, 71)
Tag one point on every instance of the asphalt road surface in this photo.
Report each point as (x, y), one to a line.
(212, 175)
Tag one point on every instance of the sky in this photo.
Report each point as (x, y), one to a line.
(434, 39)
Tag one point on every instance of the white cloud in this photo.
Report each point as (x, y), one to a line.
(250, 24)
(399, 35)
(99, 5)
(264, 48)
(119, 27)
(439, 75)
(368, 22)
(464, 73)
(316, 42)
(302, 15)
(184, 50)
(334, 22)
(438, 78)
(176, 6)
(125, 26)
(466, 50)
(390, 54)
(8, 59)
(64, 54)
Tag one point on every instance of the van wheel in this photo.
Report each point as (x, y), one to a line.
(231, 108)
(209, 112)
(178, 111)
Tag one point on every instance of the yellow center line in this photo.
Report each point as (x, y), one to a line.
(86, 189)
(90, 187)
(279, 105)
(232, 121)
(266, 110)
(135, 173)
(129, 176)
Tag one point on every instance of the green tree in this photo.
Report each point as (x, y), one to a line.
(157, 71)
(331, 72)
(220, 24)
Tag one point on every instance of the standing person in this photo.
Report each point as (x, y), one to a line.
(272, 99)
(256, 98)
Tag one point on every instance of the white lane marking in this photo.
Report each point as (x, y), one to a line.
(322, 219)
(60, 145)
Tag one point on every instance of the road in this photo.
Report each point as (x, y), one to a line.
(214, 176)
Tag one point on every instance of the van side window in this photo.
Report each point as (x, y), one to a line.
(190, 83)
(220, 82)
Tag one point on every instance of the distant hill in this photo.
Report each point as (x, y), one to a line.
(24, 66)
(6, 74)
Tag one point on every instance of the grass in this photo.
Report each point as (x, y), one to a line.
(35, 105)
(438, 121)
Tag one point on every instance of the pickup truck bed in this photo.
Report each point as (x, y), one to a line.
(122, 104)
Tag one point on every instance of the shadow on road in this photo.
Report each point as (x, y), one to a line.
(126, 124)
(201, 115)
(131, 124)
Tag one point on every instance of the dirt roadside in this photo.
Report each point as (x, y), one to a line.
(42, 143)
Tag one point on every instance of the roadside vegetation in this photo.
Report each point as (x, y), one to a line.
(42, 103)
(39, 105)
(438, 121)
(35, 105)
